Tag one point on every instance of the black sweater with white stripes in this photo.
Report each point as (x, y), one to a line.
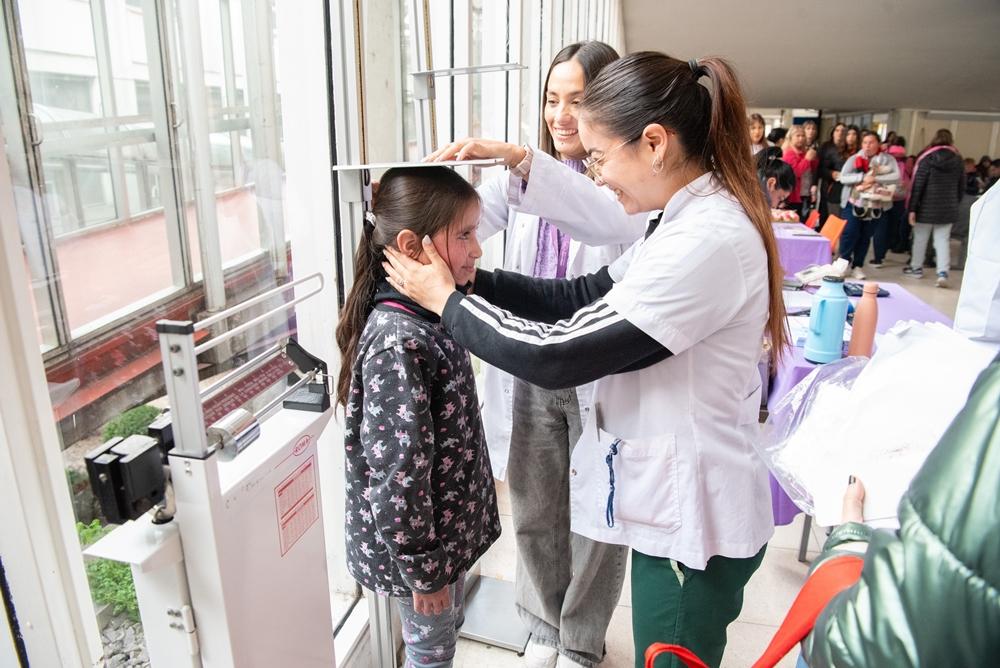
(554, 333)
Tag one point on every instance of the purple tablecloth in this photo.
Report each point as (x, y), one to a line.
(899, 305)
(799, 247)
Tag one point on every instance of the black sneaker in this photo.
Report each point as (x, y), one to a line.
(915, 273)
(878, 264)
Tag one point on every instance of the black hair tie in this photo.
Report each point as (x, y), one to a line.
(368, 224)
(697, 70)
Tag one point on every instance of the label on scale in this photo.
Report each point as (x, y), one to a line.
(296, 503)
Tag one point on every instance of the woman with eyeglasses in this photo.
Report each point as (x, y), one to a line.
(567, 585)
(672, 332)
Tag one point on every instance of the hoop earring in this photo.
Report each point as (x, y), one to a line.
(657, 166)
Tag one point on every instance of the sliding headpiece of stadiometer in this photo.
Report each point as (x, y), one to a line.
(356, 180)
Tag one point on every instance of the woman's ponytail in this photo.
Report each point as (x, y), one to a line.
(732, 162)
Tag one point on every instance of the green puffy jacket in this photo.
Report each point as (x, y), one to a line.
(929, 594)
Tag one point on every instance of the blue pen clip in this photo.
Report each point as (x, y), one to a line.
(609, 514)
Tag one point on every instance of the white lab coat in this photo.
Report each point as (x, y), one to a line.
(519, 255)
(978, 312)
(688, 482)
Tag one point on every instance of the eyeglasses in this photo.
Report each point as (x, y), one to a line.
(594, 165)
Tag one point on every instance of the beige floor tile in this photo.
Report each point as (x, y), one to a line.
(773, 587)
(790, 535)
(746, 642)
(472, 654)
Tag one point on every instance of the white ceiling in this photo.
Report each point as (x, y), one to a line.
(837, 54)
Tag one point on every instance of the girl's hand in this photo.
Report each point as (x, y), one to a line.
(429, 285)
(472, 149)
(854, 502)
(912, 218)
(432, 604)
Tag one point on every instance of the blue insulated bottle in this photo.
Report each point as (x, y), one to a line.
(825, 342)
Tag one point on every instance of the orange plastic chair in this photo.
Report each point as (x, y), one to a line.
(832, 229)
(813, 219)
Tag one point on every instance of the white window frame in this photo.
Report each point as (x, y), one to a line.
(38, 541)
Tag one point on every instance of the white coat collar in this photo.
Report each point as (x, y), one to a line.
(702, 186)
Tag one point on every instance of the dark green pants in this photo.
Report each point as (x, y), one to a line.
(674, 604)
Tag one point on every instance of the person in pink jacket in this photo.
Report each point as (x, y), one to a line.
(804, 163)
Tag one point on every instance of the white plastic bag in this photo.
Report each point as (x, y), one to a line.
(876, 419)
(795, 426)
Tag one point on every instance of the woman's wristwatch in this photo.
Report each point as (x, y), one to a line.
(522, 168)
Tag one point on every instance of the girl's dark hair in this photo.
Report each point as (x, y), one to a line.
(423, 200)
(650, 87)
(592, 56)
(899, 140)
(770, 164)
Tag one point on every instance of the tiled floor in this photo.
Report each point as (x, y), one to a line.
(770, 591)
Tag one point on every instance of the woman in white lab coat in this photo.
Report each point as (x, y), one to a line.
(671, 332)
(567, 585)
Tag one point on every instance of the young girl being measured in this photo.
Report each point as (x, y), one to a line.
(421, 506)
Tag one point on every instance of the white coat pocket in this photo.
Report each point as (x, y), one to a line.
(645, 481)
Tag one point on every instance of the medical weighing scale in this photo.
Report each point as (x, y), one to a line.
(229, 570)
(491, 615)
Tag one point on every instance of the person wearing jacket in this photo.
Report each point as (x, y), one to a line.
(831, 158)
(938, 185)
(929, 593)
(804, 162)
(866, 172)
(567, 586)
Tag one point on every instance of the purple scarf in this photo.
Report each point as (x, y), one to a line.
(552, 254)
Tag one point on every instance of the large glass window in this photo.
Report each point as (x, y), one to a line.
(97, 164)
(124, 234)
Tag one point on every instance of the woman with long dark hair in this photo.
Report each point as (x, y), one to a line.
(832, 155)
(672, 332)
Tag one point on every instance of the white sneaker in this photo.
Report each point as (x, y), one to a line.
(857, 274)
(566, 662)
(537, 655)
(942, 280)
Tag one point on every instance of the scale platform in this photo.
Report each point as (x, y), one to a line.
(491, 616)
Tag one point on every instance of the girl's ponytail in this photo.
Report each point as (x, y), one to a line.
(358, 306)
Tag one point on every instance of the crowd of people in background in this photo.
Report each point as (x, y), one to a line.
(890, 200)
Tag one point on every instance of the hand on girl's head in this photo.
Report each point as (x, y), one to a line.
(429, 285)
